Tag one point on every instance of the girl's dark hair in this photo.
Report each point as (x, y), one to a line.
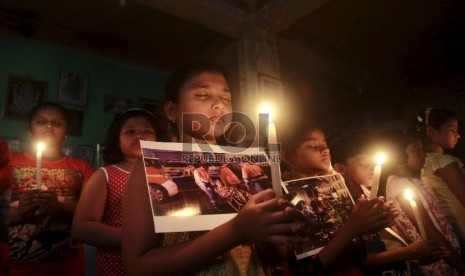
(298, 132)
(434, 117)
(112, 153)
(179, 77)
(395, 141)
(38, 107)
(345, 147)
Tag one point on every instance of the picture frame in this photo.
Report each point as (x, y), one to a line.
(22, 94)
(154, 106)
(16, 145)
(270, 88)
(115, 104)
(72, 88)
(85, 152)
(75, 122)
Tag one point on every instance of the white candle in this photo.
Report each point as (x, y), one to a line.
(274, 155)
(416, 213)
(97, 158)
(40, 148)
(380, 157)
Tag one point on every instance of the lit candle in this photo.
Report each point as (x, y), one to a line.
(409, 196)
(274, 156)
(40, 149)
(380, 157)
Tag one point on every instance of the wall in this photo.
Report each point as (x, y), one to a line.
(44, 62)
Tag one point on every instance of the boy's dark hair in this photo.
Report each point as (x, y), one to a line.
(180, 76)
(434, 117)
(43, 105)
(347, 147)
(112, 153)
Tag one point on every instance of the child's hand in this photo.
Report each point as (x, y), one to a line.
(48, 203)
(266, 218)
(427, 251)
(370, 216)
(28, 205)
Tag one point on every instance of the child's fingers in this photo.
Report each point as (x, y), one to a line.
(287, 240)
(283, 216)
(290, 228)
(263, 196)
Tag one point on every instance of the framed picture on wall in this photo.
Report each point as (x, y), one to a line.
(156, 107)
(21, 95)
(75, 122)
(85, 152)
(72, 88)
(270, 88)
(113, 104)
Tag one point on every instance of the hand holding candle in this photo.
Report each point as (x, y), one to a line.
(40, 149)
(409, 196)
(380, 158)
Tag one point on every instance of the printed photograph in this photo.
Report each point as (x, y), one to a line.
(212, 185)
(72, 88)
(115, 105)
(325, 202)
(21, 95)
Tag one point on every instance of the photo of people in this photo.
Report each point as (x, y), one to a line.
(210, 184)
(325, 201)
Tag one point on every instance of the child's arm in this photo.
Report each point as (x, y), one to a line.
(263, 218)
(454, 178)
(423, 251)
(431, 231)
(366, 216)
(87, 222)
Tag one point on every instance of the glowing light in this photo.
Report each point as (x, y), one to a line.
(380, 158)
(40, 146)
(267, 108)
(185, 212)
(408, 194)
(416, 213)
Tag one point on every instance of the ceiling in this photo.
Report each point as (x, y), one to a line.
(409, 43)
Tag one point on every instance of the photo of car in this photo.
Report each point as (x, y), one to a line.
(162, 187)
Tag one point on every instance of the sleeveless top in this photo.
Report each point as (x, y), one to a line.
(447, 200)
(395, 186)
(109, 261)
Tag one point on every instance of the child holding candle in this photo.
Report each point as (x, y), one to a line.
(201, 91)
(387, 250)
(97, 220)
(403, 171)
(306, 154)
(443, 174)
(40, 221)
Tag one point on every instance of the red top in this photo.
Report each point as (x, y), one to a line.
(109, 261)
(47, 242)
(5, 169)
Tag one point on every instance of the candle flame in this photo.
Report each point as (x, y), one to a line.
(40, 146)
(380, 158)
(408, 194)
(267, 108)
